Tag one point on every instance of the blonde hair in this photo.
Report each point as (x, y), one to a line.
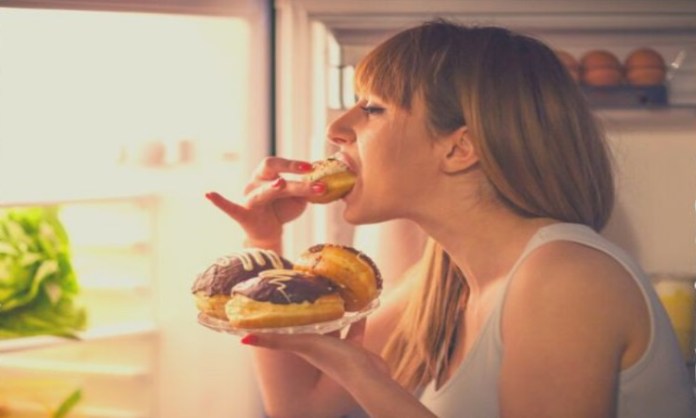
(537, 140)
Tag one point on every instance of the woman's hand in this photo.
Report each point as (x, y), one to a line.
(362, 373)
(342, 359)
(270, 200)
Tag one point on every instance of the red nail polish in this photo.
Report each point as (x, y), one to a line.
(304, 166)
(318, 188)
(250, 339)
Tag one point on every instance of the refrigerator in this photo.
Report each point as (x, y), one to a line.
(122, 115)
(126, 120)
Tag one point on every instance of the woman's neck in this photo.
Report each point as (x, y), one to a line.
(484, 241)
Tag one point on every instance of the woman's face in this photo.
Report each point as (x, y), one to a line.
(391, 151)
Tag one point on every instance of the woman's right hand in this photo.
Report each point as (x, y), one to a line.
(270, 200)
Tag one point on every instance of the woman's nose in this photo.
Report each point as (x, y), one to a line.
(340, 131)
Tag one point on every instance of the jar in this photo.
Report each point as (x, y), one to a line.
(678, 295)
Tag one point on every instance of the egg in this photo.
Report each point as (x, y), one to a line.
(645, 67)
(602, 77)
(644, 57)
(570, 63)
(601, 68)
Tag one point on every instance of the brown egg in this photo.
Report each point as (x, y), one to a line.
(602, 77)
(601, 68)
(571, 64)
(645, 67)
(644, 57)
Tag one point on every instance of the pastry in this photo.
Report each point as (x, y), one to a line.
(212, 287)
(337, 177)
(282, 298)
(356, 275)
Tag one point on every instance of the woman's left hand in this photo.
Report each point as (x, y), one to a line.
(359, 371)
(330, 353)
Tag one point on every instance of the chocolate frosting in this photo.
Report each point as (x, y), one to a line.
(317, 248)
(284, 287)
(230, 270)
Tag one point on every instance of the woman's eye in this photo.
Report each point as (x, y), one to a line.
(372, 110)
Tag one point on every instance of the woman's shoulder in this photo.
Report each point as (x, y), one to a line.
(568, 269)
(566, 283)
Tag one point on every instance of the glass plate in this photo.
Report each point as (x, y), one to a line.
(220, 325)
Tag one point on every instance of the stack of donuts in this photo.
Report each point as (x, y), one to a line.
(257, 288)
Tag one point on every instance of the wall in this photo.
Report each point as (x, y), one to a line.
(654, 217)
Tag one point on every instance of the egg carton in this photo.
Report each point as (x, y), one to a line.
(626, 96)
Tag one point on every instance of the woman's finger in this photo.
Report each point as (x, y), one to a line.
(271, 167)
(295, 343)
(281, 188)
(356, 332)
(233, 210)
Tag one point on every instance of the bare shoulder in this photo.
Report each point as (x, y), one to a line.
(565, 286)
(559, 267)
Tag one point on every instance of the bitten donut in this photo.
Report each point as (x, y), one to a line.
(281, 298)
(356, 275)
(337, 177)
(212, 287)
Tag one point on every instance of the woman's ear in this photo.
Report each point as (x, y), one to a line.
(459, 153)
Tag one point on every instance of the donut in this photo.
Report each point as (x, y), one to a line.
(281, 298)
(356, 275)
(211, 288)
(337, 177)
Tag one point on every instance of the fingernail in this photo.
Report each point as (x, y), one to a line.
(304, 166)
(250, 339)
(279, 183)
(318, 188)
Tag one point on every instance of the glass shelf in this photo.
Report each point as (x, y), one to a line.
(99, 333)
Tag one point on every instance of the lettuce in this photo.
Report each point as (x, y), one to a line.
(38, 285)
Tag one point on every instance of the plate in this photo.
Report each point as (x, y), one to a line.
(220, 325)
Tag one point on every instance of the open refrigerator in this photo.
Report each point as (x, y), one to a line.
(140, 236)
(123, 132)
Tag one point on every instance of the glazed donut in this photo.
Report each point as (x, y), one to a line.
(337, 177)
(356, 275)
(281, 298)
(211, 288)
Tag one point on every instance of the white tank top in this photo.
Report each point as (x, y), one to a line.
(657, 386)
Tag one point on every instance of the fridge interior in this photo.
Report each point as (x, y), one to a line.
(124, 131)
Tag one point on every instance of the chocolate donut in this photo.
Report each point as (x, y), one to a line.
(212, 287)
(283, 297)
(356, 275)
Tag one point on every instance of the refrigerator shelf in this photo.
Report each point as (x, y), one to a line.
(33, 409)
(75, 368)
(98, 333)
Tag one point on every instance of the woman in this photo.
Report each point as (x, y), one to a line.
(518, 307)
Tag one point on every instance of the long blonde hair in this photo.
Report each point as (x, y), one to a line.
(537, 141)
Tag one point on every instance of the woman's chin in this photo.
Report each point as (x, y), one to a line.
(355, 215)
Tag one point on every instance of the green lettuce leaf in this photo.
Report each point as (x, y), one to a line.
(38, 285)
